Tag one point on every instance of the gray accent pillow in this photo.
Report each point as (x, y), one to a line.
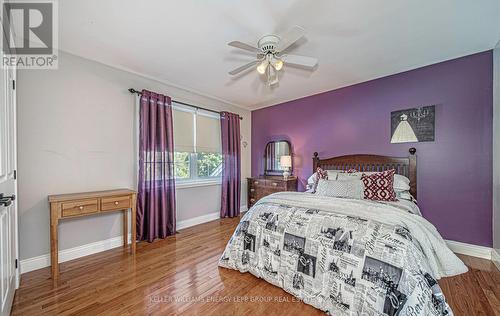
(352, 189)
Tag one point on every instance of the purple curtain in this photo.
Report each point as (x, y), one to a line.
(156, 196)
(231, 168)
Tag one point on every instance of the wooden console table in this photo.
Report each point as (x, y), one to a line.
(87, 204)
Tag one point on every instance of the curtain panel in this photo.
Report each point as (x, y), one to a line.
(156, 186)
(231, 165)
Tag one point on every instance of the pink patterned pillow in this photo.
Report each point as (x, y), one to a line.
(320, 174)
(379, 186)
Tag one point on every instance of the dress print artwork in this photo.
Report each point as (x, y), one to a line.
(413, 125)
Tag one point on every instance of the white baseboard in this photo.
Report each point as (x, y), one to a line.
(470, 250)
(43, 261)
(495, 257)
(204, 218)
(198, 220)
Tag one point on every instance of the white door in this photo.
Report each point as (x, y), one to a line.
(9, 274)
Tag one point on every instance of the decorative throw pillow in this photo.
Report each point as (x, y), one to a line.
(379, 186)
(352, 189)
(320, 174)
(401, 183)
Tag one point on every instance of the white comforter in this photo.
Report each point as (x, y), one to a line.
(442, 261)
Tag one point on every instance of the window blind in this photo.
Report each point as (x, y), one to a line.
(183, 130)
(208, 139)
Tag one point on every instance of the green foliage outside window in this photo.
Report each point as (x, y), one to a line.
(206, 165)
(181, 165)
(209, 164)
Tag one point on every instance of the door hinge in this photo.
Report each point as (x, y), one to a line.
(16, 263)
(13, 85)
(15, 174)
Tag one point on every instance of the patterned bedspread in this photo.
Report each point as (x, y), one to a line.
(341, 264)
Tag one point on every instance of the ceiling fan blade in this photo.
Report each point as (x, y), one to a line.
(244, 46)
(243, 68)
(302, 61)
(290, 37)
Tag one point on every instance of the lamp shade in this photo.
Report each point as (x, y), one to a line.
(286, 161)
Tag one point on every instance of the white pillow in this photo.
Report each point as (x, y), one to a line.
(311, 180)
(404, 195)
(349, 176)
(352, 189)
(332, 175)
(401, 183)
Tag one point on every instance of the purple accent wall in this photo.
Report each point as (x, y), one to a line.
(454, 171)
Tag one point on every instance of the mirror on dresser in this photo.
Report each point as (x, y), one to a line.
(273, 179)
(272, 157)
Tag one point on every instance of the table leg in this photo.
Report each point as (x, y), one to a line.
(54, 260)
(125, 228)
(133, 222)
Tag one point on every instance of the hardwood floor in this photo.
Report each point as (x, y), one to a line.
(179, 275)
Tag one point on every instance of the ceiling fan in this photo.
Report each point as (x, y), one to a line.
(271, 55)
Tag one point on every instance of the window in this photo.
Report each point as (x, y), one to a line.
(155, 167)
(197, 143)
(182, 165)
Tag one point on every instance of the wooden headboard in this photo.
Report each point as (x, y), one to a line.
(406, 166)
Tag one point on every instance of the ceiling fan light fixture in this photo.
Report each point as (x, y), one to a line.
(277, 64)
(272, 76)
(261, 68)
(270, 56)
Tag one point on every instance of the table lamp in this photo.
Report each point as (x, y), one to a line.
(286, 164)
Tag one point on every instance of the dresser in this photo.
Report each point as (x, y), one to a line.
(259, 187)
(68, 206)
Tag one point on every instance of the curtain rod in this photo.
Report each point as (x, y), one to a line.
(132, 90)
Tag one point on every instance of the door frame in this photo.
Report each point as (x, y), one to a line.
(13, 174)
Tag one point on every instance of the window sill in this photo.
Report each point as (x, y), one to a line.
(195, 184)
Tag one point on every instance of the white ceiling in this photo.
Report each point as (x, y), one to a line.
(184, 42)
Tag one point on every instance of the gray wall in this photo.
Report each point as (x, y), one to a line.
(76, 132)
(496, 150)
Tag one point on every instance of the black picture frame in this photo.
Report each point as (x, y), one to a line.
(413, 125)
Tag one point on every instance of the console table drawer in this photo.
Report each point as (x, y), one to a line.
(115, 203)
(79, 207)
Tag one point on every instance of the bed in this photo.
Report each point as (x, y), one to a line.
(347, 256)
